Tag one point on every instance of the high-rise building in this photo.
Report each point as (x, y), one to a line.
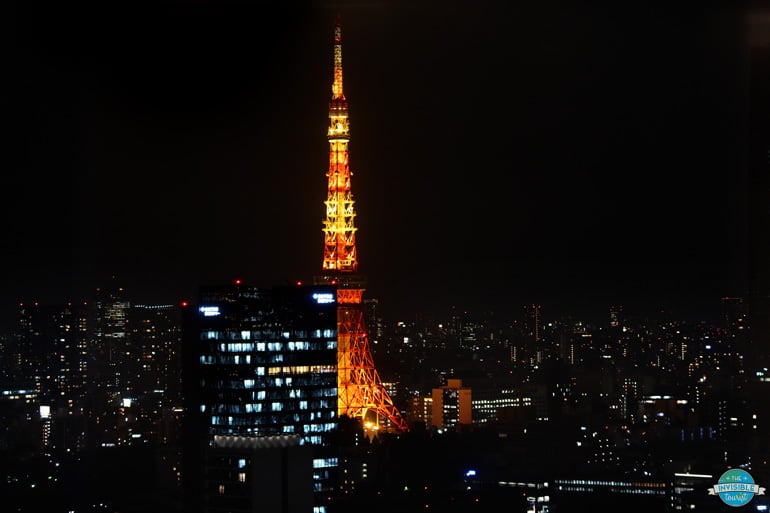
(55, 337)
(260, 370)
(152, 369)
(110, 344)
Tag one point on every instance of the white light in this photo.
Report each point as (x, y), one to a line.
(45, 411)
(209, 311)
(323, 298)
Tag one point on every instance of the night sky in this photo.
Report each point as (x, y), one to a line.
(575, 154)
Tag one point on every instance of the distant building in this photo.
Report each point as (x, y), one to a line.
(452, 406)
(25, 429)
(54, 339)
(616, 315)
(688, 492)
(510, 405)
(420, 409)
(111, 350)
(152, 370)
(260, 364)
(613, 494)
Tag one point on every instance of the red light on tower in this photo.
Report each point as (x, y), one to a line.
(184, 304)
(238, 282)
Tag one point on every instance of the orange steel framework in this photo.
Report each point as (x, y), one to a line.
(361, 393)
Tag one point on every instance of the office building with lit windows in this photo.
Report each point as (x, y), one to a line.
(260, 369)
(451, 405)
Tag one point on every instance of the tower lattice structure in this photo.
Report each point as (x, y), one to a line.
(361, 393)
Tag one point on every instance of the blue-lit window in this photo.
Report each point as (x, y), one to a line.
(331, 344)
(248, 383)
(303, 405)
(261, 395)
(242, 463)
(276, 406)
(245, 335)
(240, 347)
(261, 346)
(253, 407)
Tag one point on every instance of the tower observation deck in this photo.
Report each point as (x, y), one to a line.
(361, 393)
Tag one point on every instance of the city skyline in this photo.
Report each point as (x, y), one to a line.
(577, 157)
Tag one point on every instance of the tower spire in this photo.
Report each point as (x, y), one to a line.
(360, 392)
(339, 228)
(337, 93)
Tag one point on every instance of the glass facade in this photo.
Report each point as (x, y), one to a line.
(267, 369)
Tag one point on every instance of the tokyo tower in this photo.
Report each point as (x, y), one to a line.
(361, 393)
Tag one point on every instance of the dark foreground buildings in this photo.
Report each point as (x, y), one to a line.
(260, 379)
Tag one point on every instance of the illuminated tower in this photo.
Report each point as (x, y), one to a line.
(361, 392)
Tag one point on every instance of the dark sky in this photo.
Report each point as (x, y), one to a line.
(576, 154)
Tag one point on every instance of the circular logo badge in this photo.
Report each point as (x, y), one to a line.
(736, 487)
